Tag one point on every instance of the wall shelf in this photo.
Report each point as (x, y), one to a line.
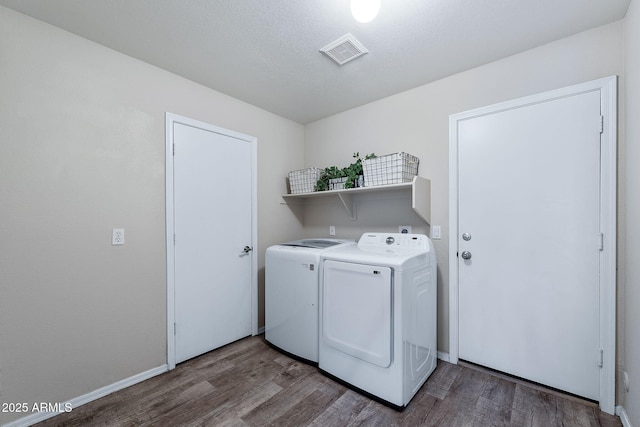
(420, 196)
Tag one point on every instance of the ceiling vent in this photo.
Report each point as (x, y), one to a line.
(345, 49)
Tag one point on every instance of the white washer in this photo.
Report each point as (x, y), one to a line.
(291, 295)
(378, 314)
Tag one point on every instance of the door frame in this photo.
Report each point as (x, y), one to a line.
(608, 184)
(170, 120)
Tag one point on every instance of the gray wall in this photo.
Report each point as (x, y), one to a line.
(417, 122)
(83, 145)
(83, 152)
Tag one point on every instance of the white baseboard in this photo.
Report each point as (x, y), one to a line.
(624, 418)
(89, 397)
(443, 356)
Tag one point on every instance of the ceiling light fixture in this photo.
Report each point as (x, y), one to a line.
(365, 10)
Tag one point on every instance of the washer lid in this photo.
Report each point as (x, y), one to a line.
(315, 243)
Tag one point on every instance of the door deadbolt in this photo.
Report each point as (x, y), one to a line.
(466, 237)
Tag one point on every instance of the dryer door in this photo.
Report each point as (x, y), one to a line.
(357, 311)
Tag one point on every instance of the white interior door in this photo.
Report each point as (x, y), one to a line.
(212, 217)
(529, 217)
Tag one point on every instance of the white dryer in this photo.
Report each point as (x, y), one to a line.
(291, 295)
(378, 314)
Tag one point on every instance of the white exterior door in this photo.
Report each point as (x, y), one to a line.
(529, 243)
(212, 223)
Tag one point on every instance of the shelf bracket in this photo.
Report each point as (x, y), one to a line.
(421, 198)
(347, 202)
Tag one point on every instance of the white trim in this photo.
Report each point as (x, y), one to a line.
(453, 239)
(624, 417)
(89, 397)
(170, 120)
(608, 96)
(608, 226)
(171, 315)
(254, 235)
(443, 356)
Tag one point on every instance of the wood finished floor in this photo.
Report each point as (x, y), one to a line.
(248, 383)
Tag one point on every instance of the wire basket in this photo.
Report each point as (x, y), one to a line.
(338, 183)
(304, 180)
(390, 169)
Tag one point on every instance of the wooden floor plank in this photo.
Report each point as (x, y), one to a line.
(342, 411)
(442, 379)
(303, 414)
(499, 391)
(376, 415)
(295, 395)
(248, 383)
(533, 407)
(223, 414)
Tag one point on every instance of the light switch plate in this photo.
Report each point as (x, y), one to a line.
(436, 233)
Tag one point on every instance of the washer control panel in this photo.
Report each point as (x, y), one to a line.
(393, 241)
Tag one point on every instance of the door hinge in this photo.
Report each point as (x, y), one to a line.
(174, 239)
(174, 328)
(601, 124)
(601, 241)
(174, 149)
(601, 361)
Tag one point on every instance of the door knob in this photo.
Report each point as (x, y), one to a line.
(247, 249)
(466, 255)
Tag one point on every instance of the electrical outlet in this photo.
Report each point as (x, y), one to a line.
(404, 229)
(332, 230)
(117, 237)
(436, 234)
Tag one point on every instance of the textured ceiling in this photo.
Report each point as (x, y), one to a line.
(266, 52)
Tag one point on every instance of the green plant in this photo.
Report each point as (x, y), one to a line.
(331, 172)
(351, 172)
(354, 170)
